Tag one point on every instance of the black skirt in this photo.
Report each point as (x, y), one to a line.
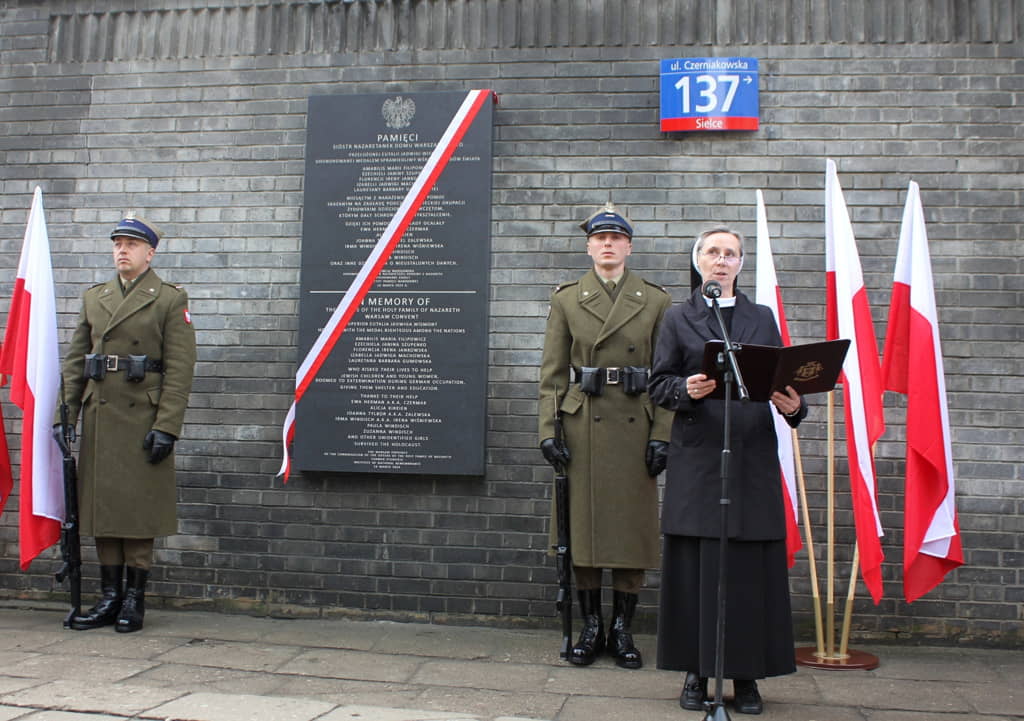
(758, 622)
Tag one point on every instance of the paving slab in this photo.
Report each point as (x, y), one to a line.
(250, 656)
(67, 716)
(238, 707)
(358, 665)
(70, 666)
(90, 696)
(207, 678)
(487, 704)
(108, 643)
(350, 693)
(376, 713)
(353, 635)
(610, 680)
(16, 639)
(9, 713)
(866, 691)
(994, 698)
(482, 675)
(9, 683)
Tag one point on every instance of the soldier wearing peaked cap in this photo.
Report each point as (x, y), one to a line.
(598, 347)
(128, 374)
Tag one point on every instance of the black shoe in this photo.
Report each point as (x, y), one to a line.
(620, 638)
(105, 612)
(134, 607)
(695, 693)
(746, 697)
(591, 640)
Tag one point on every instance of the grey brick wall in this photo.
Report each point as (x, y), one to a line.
(195, 113)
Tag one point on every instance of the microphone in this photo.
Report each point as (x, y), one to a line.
(712, 289)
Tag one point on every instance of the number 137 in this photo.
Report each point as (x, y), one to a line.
(705, 87)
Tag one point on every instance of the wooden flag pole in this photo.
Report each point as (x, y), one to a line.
(830, 539)
(848, 611)
(811, 560)
(845, 659)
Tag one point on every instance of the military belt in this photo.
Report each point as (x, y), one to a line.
(97, 365)
(633, 379)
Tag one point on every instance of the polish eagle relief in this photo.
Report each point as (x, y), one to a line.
(398, 112)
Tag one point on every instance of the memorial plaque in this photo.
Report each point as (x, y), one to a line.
(404, 388)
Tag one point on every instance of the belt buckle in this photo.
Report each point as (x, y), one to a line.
(614, 376)
(112, 363)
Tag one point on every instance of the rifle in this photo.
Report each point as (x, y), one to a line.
(70, 540)
(563, 553)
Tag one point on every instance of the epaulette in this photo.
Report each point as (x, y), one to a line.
(563, 286)
(655, 285)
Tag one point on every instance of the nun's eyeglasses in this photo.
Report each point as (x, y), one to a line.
(715, 256)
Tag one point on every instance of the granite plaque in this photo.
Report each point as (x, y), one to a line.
(404, 389)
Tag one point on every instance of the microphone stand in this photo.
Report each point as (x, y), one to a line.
(715, 710)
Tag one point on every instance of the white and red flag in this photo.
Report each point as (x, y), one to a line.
(848, 315)
(767, 292)
(30, 356)
(380, 254)
(913, 366)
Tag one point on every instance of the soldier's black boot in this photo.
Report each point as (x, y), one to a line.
(620, 637)
(104, 613)
(134, 607)
(591, 640)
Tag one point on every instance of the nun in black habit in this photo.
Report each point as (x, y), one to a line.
(758, 623)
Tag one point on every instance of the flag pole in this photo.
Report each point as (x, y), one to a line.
(848, 611)
(811, 561)
(845, 659)
(830, 597)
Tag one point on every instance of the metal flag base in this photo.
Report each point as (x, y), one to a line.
(849, 661)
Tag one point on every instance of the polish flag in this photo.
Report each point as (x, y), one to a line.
(31, 358)
(913, 366)
(848, 315)
(767, 292)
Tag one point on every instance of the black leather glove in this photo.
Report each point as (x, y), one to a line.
(657, 457)
(554, 452)
(159, 445)
(58, 435)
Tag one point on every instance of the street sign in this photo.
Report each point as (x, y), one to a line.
(709, 94)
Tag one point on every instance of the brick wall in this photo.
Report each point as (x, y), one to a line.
(196, 115)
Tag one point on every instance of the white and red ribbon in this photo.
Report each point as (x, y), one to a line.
(380, 254)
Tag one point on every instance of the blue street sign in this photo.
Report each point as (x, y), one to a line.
(709, 94)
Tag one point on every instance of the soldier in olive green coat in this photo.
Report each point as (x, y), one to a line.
(127, 374)
(598, 348)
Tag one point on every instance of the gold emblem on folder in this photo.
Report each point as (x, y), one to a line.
(808, 371)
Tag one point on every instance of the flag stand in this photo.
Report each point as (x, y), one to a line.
(824, 654)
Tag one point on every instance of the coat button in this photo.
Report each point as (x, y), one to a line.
(597, 419)
(632, 419)
(632, 348)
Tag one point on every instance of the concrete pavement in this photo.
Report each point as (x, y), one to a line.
(200, 666)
